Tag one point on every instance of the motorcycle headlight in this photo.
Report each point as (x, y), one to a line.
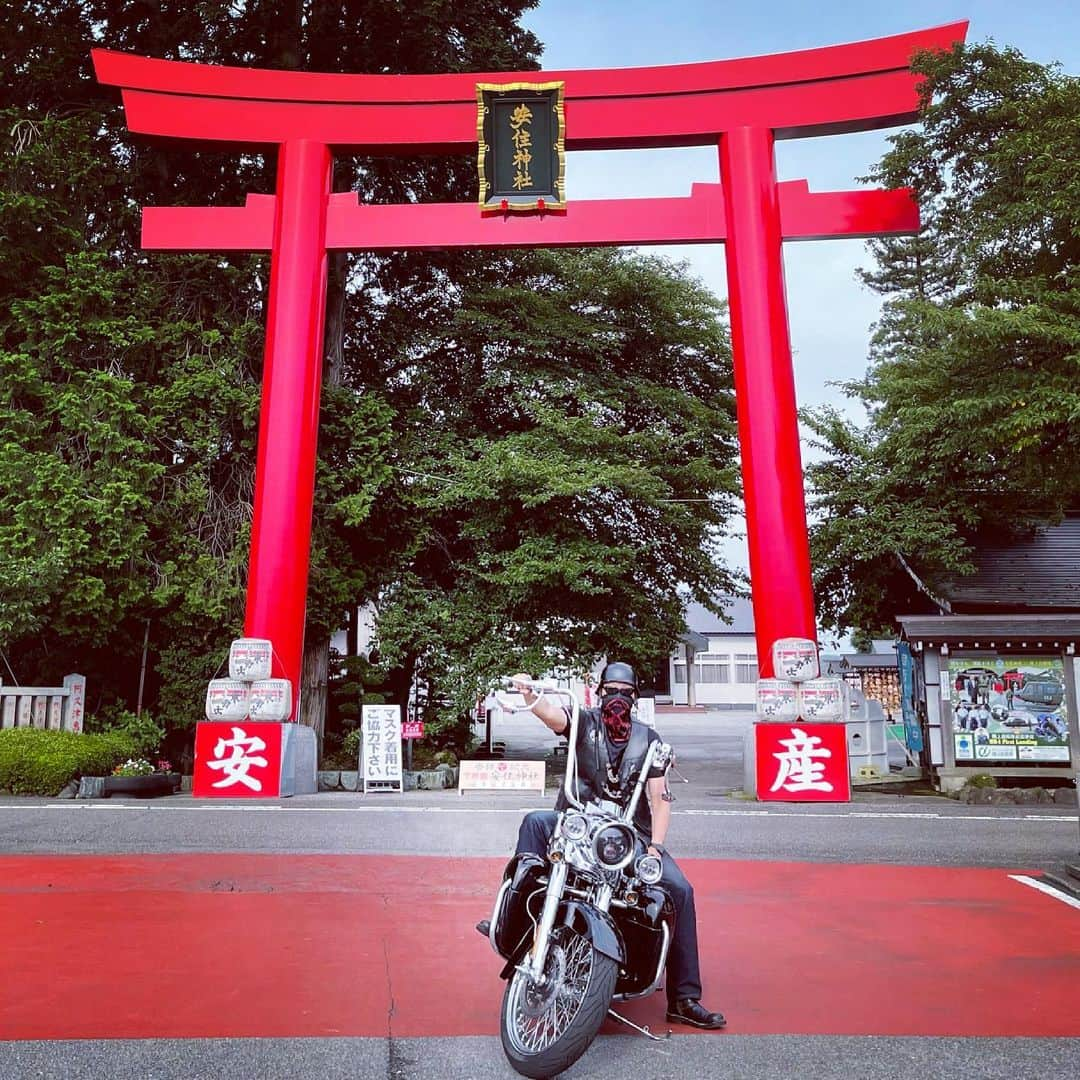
(649, 869)
(575, 826)
(613, 846)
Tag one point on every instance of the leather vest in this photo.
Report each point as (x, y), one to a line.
(592, 763)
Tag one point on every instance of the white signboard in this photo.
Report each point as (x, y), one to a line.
(380, 752)
(501, 776)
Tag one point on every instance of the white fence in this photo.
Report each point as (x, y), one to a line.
(58, 708)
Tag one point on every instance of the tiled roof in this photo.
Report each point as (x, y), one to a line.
(1040, 573)
(1017, 631)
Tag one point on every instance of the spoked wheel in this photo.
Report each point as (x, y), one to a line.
(547, 1026)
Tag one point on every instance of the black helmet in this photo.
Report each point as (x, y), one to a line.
(619, 672)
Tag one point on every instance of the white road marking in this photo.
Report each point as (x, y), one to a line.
(472, 810)
(1048, 889)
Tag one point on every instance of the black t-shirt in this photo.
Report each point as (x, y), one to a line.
(590, 721)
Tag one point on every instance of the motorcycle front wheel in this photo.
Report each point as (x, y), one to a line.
(547, 1026)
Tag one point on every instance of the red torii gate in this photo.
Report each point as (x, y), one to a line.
(742, 105)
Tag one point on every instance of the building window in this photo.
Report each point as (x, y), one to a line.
(712, 672)
(746, 668)
(705, 673)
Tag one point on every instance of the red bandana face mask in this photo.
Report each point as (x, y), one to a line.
(615, 712)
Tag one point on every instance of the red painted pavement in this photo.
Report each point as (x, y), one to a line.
(308, 945)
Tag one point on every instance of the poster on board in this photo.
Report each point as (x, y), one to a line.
(1009, 710)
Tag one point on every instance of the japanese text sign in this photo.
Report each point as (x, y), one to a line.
(237, 759)
(521, 128)
(802, 762)
(380, 753)
(501, 776)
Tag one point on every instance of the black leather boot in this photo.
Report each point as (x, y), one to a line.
(689, 1011)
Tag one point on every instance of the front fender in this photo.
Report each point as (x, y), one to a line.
(598, 926)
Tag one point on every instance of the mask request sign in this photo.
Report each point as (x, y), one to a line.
(521, 129)
(1009, 710)
(380, 750)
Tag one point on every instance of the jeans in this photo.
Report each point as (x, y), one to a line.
(683, 969)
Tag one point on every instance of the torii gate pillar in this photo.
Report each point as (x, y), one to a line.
(289, 418)
(765, 393)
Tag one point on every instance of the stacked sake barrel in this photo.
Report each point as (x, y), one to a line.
(798, 692)
(249, 693)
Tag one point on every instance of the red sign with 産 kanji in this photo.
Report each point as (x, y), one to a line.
(802, 762)
(237, 760)
(412, 729)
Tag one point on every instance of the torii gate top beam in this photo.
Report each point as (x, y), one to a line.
(843, 88)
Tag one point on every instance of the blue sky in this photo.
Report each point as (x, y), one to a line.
(831, 313)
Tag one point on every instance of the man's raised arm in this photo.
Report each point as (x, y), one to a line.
(553, 715)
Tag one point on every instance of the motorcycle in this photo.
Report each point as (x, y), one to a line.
(582, 928)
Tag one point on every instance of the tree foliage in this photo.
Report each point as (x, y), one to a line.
(504, 441)
(973, 393)
(566, 462)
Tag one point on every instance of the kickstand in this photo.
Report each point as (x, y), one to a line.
(682, 779)
(643, 1030)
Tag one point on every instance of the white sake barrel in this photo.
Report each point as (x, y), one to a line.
(795, 659)
(777, 699)
(226, 699)
(271, 699)
(250, 658)
(823, 699)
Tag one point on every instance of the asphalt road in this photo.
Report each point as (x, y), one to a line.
(929, 832)
(612, 1057)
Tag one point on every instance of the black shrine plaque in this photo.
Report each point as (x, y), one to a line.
(521, 129)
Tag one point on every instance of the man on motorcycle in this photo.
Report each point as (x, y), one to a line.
(611, 749)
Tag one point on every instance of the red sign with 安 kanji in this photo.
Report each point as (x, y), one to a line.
(802, 762)
(412, 729)
(237, 760)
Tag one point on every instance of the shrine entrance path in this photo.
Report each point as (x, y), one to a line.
(238, 946)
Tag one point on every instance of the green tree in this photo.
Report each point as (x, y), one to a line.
(565, 465)
(972, 393)
(130, 383)
(532, 449)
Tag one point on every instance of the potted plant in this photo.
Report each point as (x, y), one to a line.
(137, 777)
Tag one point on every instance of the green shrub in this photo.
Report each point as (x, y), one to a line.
(341, 753)
(350, 747)
(36, 762)
(980, 780)
(141, 730)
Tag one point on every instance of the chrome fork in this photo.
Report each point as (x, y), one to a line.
(556, 881)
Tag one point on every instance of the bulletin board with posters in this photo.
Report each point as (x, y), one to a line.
(1009, 710)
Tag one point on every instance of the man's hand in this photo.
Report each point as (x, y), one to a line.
(522, 684)
(655, 853)
(552, 715)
